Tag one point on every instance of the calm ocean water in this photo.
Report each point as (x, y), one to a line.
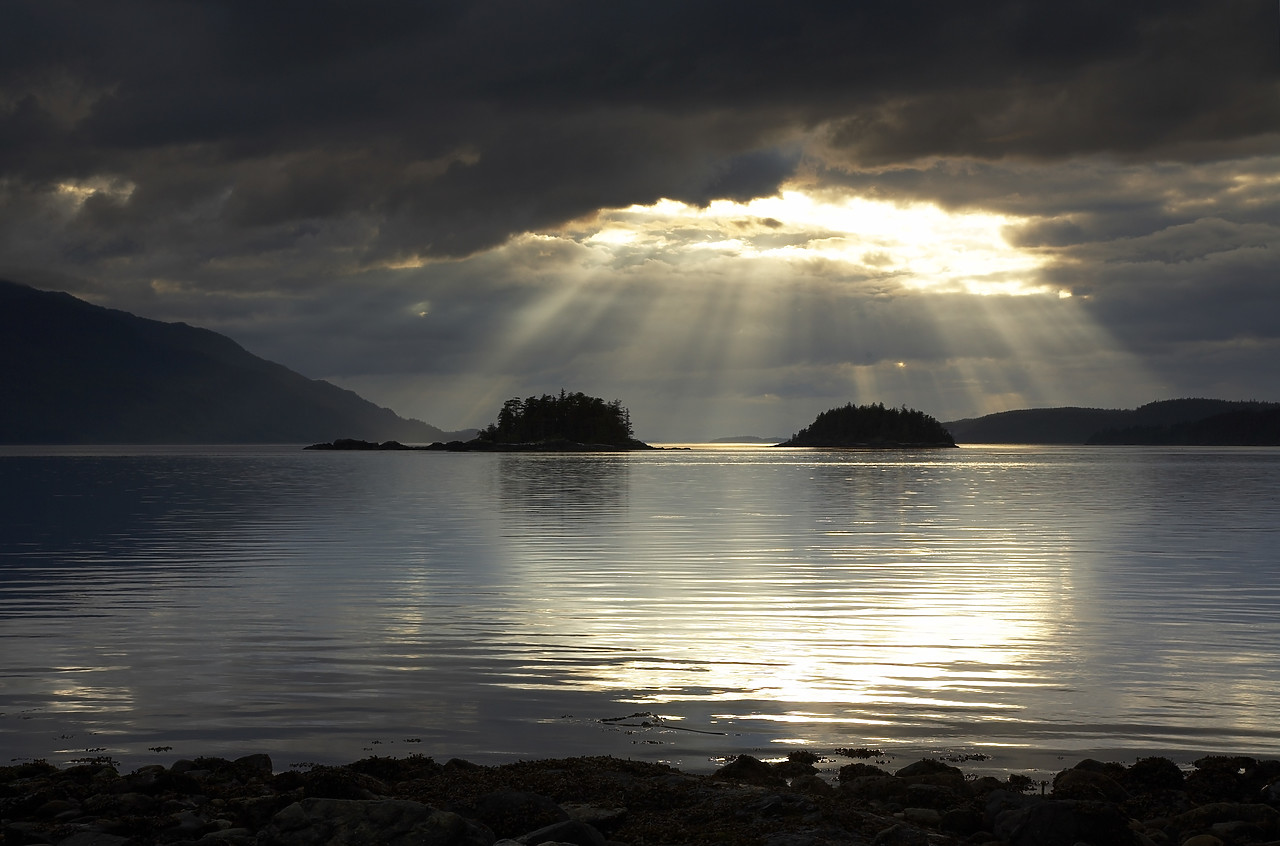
(1021, 602)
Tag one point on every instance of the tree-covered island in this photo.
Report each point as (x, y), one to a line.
(570, 422)
(566, 420)
(873, 427)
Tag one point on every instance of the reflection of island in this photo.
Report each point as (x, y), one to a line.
(565, 423)
(553, 496)
(872, 427)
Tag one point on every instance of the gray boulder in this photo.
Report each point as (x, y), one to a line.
(572, 832)
(1066, 823)
(510, 813)
(352, 822)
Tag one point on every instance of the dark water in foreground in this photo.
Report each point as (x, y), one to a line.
(1019, 602)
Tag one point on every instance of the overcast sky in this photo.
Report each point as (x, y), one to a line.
(730, 216)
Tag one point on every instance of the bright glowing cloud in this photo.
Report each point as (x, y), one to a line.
(917, 245)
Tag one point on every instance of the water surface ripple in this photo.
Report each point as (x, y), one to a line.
(1024, 602)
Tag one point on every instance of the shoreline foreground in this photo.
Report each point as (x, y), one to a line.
(598, 801)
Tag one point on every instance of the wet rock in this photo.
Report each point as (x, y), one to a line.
(56, 807)
(341, 783)
(348, 822)
(1215, 812)
(859, 770)
(513, 812)
(1203, 840)
(187, 825)
(933, 796)
(812, 785)
(1219, 778)
(1149, 774)
(878, 788)
(604, 820)
(1114, 771)
(1000, 802)
(93, 838)
(258, 764)
(216, 802)
(922, 816)
(573, 832)
(1066, 823)
(930, 771)
(961, 822)
(901, 835)
(799, 763)
(1087, 784)
(780, 804)
(256, 811)
(1239, 831)
(748, 769)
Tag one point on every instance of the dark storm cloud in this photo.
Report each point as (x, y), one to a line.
(454, 125)
(345, 187)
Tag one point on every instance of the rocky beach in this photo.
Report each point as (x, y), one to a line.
(596, 801)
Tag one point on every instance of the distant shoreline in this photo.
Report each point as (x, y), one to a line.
(356, 445)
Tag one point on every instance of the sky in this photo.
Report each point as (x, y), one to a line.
(729, 216)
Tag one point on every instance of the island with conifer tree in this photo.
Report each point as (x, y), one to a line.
(872, 427)
(570, 422)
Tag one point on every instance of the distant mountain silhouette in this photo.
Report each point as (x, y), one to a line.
(74, 372)
(1083, 425)
(1251, 427)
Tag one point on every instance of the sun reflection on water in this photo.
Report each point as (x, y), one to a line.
(870, 617)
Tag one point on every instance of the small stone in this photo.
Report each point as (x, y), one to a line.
(228, 837)
(900, 835)
(1238, 830)
(1203, 840)
(922, 816)
(93, 838)
(569, 832)
(1219, 812)
(353, 822)
(54, 807)
(604, 819)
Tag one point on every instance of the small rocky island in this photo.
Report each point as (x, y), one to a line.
(873, 427)
(570, 422)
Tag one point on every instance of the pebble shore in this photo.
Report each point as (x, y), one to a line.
(1222, 801)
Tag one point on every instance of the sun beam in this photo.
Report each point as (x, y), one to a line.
(708, 316)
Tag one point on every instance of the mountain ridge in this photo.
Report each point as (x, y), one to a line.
(80, 373)
(1146, 424)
